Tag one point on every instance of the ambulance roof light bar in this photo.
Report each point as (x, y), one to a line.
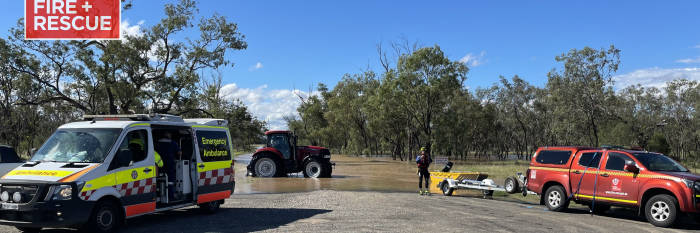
(134, 117)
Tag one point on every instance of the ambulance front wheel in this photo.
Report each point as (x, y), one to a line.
(211, 207)
(105, 217)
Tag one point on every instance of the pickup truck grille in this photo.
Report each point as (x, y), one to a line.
(27, 192)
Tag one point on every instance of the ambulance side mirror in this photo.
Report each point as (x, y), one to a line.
(124, 158)
(630, 166)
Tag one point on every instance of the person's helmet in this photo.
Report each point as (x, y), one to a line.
(138, 142)
(422, 149)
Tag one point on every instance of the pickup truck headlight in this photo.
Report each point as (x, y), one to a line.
(692, 185)
(62, 192)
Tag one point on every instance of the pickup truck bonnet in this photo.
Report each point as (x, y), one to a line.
(46, 171)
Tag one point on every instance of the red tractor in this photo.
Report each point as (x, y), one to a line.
(281, 156)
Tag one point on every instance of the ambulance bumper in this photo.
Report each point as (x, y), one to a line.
(68, 213)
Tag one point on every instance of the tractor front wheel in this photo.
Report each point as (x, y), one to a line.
(315, 169)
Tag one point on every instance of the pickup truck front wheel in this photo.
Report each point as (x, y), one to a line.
(661, 210)
(555, 199)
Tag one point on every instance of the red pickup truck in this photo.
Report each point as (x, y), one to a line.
(654, 184)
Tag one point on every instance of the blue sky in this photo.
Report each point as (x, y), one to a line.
(297, 44)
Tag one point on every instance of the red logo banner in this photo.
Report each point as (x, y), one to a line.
(72, 19)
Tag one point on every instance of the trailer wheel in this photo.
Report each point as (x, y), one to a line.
(446, 190)
(511, 185)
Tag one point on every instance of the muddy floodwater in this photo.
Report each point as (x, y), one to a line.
(349, 174)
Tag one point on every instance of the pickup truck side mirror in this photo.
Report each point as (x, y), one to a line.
(631, 166)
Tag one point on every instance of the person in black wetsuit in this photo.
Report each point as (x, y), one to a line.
(168, 150)
(423, 161)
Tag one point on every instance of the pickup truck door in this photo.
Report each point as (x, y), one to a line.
(582, 173)
(616, 185)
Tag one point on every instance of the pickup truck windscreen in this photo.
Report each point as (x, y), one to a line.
(659, 162)
(77, 145)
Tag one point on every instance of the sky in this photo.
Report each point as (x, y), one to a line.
(294, 45)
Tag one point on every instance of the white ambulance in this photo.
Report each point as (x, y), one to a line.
(95, 174)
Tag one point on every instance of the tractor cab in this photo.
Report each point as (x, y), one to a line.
(283, 141)
(281, 156)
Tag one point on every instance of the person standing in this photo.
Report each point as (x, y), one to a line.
(168, 150)
(423, 161)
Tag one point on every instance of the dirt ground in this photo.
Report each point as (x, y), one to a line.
(376, 195)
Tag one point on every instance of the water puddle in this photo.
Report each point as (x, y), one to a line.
(349, 174)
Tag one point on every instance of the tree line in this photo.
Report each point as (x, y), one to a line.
(420, 99)
(44, 84)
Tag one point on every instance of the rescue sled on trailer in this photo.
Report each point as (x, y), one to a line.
(448, 182)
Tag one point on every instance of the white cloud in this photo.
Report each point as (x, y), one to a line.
(689, 60)
(697, 46)
(126, 29)
(655, 77)
(270, 105)
(257, 66)
(472, 60)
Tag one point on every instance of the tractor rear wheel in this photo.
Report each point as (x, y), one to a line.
(314, 169)
(266, 167)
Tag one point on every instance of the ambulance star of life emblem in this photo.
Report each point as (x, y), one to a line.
(616, 181)
(134, 174)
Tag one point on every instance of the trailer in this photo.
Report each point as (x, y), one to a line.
(448, 182)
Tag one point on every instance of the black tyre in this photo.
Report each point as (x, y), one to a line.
(599, 209)
(446, 190)
(105, 217)
(314, 169)
(210, 207)
(661, 210)
(487, 193)
(29, 229)
(555, 198)
(266, 166)
(327, 171)
(511, 185)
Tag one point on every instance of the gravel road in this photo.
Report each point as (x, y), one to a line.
(349, 211)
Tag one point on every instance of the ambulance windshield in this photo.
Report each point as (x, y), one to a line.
(659, 162)
(77, 145)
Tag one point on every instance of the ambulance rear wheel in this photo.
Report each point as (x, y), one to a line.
(210, 207)
(29, 229)
(105, 218)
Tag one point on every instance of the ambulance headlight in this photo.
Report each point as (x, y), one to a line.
(62, 192)
(5, 196)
